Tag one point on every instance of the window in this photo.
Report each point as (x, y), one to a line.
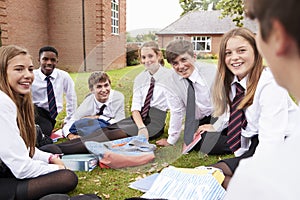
(115, 17)
(178, 38)
(202, 43)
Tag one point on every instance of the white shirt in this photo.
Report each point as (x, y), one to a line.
(62, 84)
(141, 87)
(274, 176)
(177, 86)
(114, 109)
(13, 151)
(268, 116)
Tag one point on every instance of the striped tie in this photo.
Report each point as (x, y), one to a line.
(146, 107)
(51, 99)
(237, 120)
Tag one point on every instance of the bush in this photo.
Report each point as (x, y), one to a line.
(163, 51)
(207, 56)
(132, 54)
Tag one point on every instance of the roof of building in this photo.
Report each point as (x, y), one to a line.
(204, 22)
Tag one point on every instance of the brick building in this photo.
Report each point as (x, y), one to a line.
(203, 28)
(91, 29)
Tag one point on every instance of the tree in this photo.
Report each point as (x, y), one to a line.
(129, 38)
(232, 8)
(187, 6)
(190, 5)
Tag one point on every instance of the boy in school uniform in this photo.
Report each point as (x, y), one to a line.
(187, 79)
(103, 102)
(48, 89)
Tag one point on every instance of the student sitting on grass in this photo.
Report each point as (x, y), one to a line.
(25, 171)
(276, 175)
(103, 102)
(257, 111)
(189, 83)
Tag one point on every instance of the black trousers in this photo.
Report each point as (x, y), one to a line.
(214, 143)
(155, 122)
(44, 120)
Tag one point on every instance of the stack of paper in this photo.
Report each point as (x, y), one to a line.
(144, 184)
(177, 183)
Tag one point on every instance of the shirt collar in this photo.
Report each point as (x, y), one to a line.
(155, 75)
(99, 104)
(53, 75)
(242, 82)
(195, 77)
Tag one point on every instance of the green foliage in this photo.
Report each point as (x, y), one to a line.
(129, 38)
(187, 6)
(190, 5)
(207, 56)
(132, 54)
(150, 36)
(233, 9)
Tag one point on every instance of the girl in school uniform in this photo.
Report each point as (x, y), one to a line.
(25, 171)
(261, 120)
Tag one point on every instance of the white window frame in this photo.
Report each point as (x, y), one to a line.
(179, 37)
(201, 41)
(115, 17)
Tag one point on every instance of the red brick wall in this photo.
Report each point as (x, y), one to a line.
(3, 21)
(65, 32)
(26, 25)
(35, 23)
(103, 48)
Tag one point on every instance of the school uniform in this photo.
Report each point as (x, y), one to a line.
(62, 84)
(273, 176)
(268, 120)
(202, 79)
(155, 120)
(15, 163)
(113, 111)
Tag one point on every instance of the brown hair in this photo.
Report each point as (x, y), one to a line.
(25, 108)
(96, 77)
(224, 77)
(154, 46)
(287, 12)
(178, 47)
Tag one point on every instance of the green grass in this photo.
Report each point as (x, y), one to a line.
(113, 184)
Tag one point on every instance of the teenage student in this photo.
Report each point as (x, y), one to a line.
(149, 106)
(274, 176)
(25, 171)
(103, 102)
(256, 110)
(48, 89)
(187, 74)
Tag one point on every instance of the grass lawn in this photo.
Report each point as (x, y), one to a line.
(113, 184)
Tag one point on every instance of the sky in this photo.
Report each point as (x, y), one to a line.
(151, 13)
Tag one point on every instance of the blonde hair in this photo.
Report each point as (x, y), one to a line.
(224, 77)
(25, 108)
